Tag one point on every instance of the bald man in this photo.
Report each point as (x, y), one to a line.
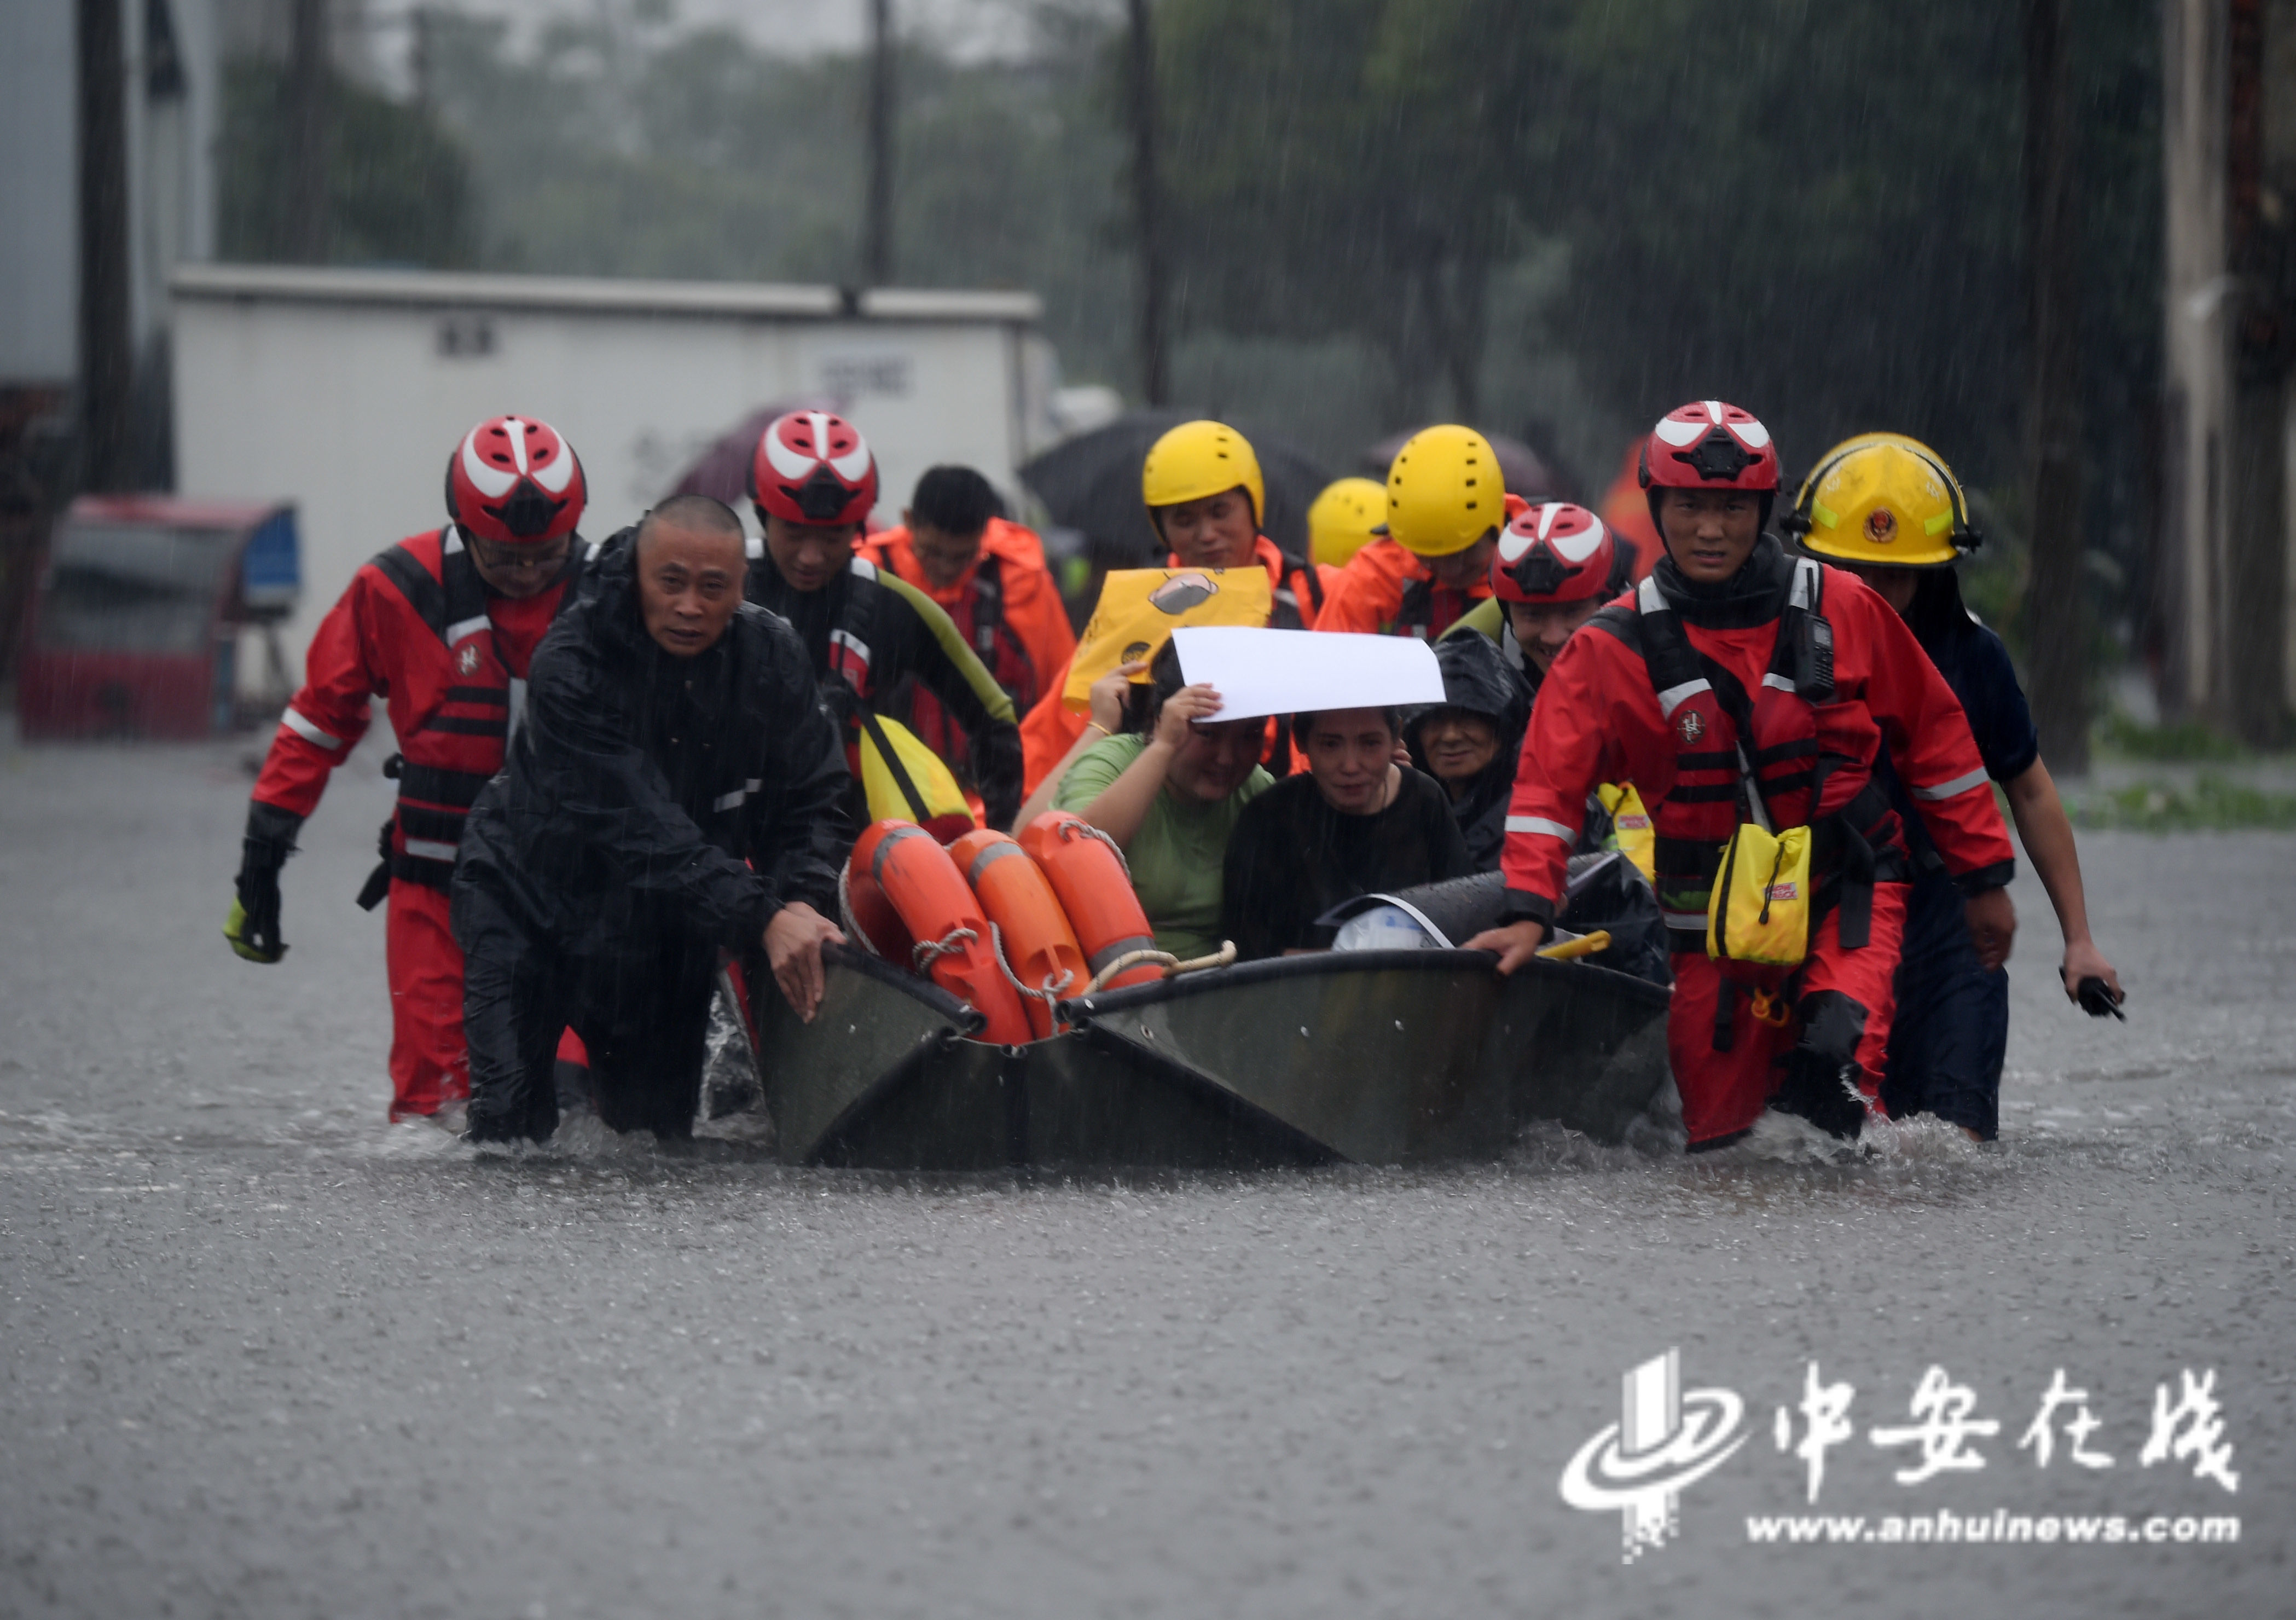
(674, 792)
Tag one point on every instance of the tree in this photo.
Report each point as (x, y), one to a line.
(1341, 167)
(397, 187)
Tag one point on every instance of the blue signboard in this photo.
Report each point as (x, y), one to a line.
(271, 570)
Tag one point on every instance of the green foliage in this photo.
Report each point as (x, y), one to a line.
(696, 155)
(1341, 168)
(398, 184)
(1814, 210)
(1576, 211)
(2182, 743)
(2212, 804)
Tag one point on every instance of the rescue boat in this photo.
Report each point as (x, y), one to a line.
(1369, 1056)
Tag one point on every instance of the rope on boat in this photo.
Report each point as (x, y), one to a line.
(853, 930)
(928, 951)
(1173, 966)
(1050, 995)
(1071, 830)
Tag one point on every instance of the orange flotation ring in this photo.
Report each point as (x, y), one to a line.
(939, 909)
(868, 914)
(1089, 875)
(1040, 947)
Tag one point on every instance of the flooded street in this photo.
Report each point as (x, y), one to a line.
(262, 1354)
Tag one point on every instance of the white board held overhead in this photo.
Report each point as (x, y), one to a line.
(1260, 671)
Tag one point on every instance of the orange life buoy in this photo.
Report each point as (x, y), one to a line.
(1095, 890)
(1040, 948)
(938, 908)
(867, 911)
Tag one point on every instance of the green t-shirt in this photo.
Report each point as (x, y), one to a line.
(1176, 854)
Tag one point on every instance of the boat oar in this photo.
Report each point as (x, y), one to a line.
(1584, 945)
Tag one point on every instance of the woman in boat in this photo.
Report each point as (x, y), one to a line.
(1169, 788)
(1468, 742)
(1358, 823)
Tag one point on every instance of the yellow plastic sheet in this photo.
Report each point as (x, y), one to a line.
(1139, 609)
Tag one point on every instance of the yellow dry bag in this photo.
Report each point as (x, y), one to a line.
(1630, 827)
(1760, 908)
(902, 780)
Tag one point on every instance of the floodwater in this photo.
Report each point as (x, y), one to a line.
(261, 1355)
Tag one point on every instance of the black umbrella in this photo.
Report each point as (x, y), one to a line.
(1092, 483)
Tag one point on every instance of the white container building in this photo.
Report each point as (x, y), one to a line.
(345, 390)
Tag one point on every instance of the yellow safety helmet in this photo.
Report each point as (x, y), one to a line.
(1445, 491)
(1343, 518)
(1884, 499)
(1198, 459)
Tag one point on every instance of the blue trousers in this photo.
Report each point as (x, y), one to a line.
(1948, 1039)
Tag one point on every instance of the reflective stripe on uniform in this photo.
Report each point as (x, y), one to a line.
(845, 639)
(734, 800)
(1540, 824)
(1688, 922)
(1805, 584)
(1674, 697)
(1947, 790)
(430, 850)
(1779, 683)
(305, 729)
(464, 627)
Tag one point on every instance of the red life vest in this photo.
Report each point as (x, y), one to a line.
(1737, 753)
(453, 719)
(979, 616)
(1426, 610)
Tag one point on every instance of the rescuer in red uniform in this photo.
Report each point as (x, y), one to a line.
(442, 627)
(1740, 684)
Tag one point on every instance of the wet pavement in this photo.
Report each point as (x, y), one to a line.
(261, 1355)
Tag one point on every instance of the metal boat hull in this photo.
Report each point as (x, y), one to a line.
(1376, 1058)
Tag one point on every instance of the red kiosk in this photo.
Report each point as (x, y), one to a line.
(134, 631)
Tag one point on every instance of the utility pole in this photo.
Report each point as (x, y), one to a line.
(2256, 524)
(420, 23)
(2056, 592)
(1147, 210)
(877, 243)
(104, 360)
(308, 74)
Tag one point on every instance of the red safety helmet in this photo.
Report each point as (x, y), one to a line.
(515, 482)
(813, 468)
(1557, 553)
(1708, 445)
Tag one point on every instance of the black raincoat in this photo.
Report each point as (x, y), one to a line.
(653, 809)
(1477, 678)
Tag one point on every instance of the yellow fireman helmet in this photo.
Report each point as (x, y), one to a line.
(1341, 521)
(1445, 491)
(1200, 459)
(1884, 499)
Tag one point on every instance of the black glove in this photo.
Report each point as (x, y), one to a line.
(253, 925)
